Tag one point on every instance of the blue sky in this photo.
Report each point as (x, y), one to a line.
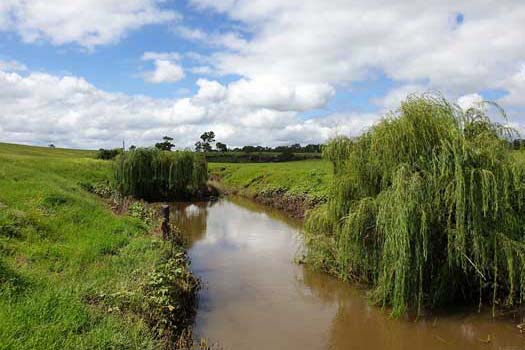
(88, 74)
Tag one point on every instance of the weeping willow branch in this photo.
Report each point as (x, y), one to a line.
(422, 205)
(154, 175)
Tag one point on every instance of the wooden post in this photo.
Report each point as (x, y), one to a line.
(165, 211)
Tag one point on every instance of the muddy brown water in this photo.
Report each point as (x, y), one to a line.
(255, 297)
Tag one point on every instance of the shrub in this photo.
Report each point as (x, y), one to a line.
(152, 174)
(108, 154)
(102, 189)
(427, 208)
(170, 296)
(140, 211)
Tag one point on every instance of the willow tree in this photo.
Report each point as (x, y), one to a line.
(153, 174)
(427, 208)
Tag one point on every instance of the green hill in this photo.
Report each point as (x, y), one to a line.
(60, 248)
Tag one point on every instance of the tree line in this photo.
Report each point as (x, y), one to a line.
(207, 143)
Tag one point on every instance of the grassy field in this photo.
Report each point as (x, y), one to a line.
(61, 247)
(258, 157)
(310, 178)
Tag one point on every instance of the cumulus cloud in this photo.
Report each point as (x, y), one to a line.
(229, 40)
(86, 23)
(470, 100)
(287, 57)
(340, 41)
(201, 70)
(516, 88)
(210, 91)
(69, 111)
(166, 69)
(151, 55)
(279, 95)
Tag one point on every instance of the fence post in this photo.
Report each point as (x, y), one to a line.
(165, 211)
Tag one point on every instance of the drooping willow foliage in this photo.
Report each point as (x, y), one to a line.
(152, 174)
(427, 207)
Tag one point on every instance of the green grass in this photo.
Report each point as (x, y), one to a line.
(61, 246)
(309, 178)
(519, 155)
(7, 149)
(258, 157)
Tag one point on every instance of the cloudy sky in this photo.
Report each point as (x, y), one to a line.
(89, 73)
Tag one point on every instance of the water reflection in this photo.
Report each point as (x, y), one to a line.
(191, 219)
(255, 297)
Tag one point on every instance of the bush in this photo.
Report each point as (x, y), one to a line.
(108, 154)
(152, 174)
(427, 208)
(102, 189)
(170, 296)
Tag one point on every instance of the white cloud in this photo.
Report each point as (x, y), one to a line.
(290, 57)
(516, 88)
(279, 95)
(341, 41)
(165, 72)
(150, 55)
(201, 70)
(87, 23)
(69, 111)
(210, 91)
(190, 33)
(229, 40)
(470, 100)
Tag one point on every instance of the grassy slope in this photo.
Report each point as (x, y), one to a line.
(60, 245)
(257, 157)
(519, 155)
(310, 178)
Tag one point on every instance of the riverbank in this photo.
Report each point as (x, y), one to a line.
(294, 187)
(75, 275)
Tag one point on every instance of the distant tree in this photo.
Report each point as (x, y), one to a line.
(312, 148)
(286, 154)
(199, 147)
(221, 147)
(51, 145)
(294, 148)
(249, 149)
(132, 147)
(208, 138)
(166, 144)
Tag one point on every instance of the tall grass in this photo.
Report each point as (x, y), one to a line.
(427, 208)
(152, 174)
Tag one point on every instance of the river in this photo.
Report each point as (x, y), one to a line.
(255, 297)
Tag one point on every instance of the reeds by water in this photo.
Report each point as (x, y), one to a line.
(427, 208)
